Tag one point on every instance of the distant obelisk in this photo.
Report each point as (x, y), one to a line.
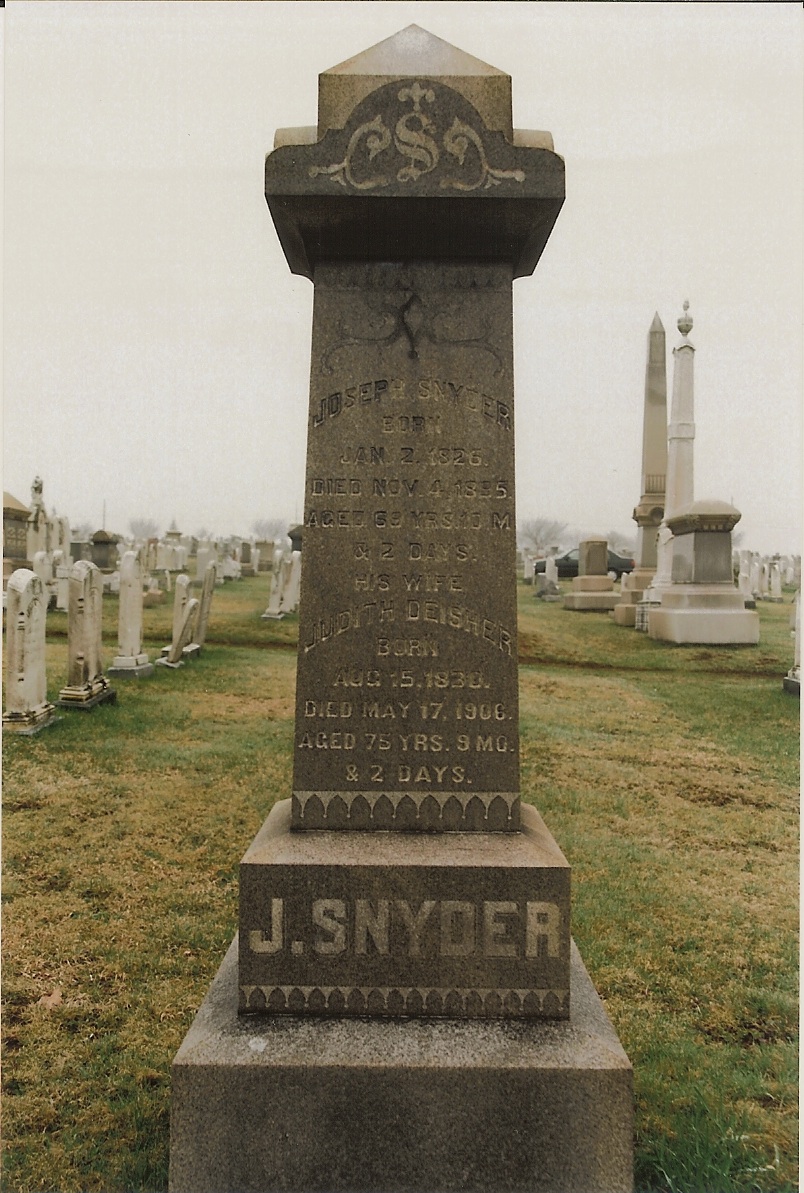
(679, 489)
(650, 511)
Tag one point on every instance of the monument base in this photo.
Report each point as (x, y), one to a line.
(703, 615)
(29, 723)
(306, 1105)
(271, 616)
(792, 684)
(625, 614)
(163, 661)
(130, 667)
(192, 651)
(88, 697)
(591, 602)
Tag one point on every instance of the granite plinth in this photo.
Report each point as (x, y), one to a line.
(591, 602)
(359, 1105)
(130, 667)
(703, 615)
(792, 685)
(85, 698)
(28, 724)
(449, 924)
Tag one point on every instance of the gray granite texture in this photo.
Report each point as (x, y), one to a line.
(300, 1105)
(415, 174)
(462, 925)
(407, 688)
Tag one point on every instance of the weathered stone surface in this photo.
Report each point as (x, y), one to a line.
(130, 661)
(414, 174)
(86, 686)
(351, 924)
(407, 679)
(359, 1105)
(27, 709)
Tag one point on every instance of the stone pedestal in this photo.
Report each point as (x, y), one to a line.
(702, 604)
(340, 1105)
(130, 667)
(592, 589)
(404, 1012)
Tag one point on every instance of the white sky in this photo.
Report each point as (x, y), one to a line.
(156, 346)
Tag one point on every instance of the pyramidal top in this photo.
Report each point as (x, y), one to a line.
(414, 52)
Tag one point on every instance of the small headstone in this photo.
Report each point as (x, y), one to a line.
(130, 661)
(86, 686)
(274, 612)
(206, 603)
(290, 590)
(180, 598)
(792, 681)
(593, 588)
(27, 708)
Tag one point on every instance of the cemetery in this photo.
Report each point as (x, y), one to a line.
(669, 776)
(367, 866)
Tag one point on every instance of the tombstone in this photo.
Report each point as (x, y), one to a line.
(203, 558)
(61, 572)
(43, 566)
(792, 681)
(27, 708)
(411, 1013)
(265, 548)
(744, 580)
(183, 637)
(255, 560)
(593, 588)
(649, 512)
(130, 662)
(703, 604)
(547, 588)
(775, 583)
(755, 576)
(273, 611)
(292, 584)
(38, 529)
(180, 599)
(86, 686)
(528, 569)
(205, 604)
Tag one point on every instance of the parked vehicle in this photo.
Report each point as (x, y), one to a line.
(567, 564)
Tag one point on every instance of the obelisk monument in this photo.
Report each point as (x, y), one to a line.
(404, 911)
(650, 511)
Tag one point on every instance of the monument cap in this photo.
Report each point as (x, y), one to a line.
(414, 52)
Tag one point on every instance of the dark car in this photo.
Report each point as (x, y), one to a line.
(567, 564)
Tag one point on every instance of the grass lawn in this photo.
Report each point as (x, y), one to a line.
(668, 775)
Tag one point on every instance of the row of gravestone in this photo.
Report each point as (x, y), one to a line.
(27, 707)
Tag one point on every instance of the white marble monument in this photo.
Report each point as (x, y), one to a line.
(27, 707)
(86, 686)
(130, 661)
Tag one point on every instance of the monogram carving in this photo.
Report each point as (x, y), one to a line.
(420, 144)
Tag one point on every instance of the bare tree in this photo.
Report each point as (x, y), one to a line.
(269, 528)
(537, 534)
(143, 528)
(623, 544)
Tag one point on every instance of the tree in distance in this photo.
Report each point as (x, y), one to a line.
(143, 528)
(537, 534)
(269, 529)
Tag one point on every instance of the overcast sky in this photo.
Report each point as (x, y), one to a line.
(157, 347)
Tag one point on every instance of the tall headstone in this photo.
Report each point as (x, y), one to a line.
(792, 681)
(27, 707)
(292, 586)
(273, 611)
(593, 588)
(650, 511)
(38, 537)
(379, 974)
(86, 686)
(131, 661)
(205, 604)
(680, 483)
(172, 653)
